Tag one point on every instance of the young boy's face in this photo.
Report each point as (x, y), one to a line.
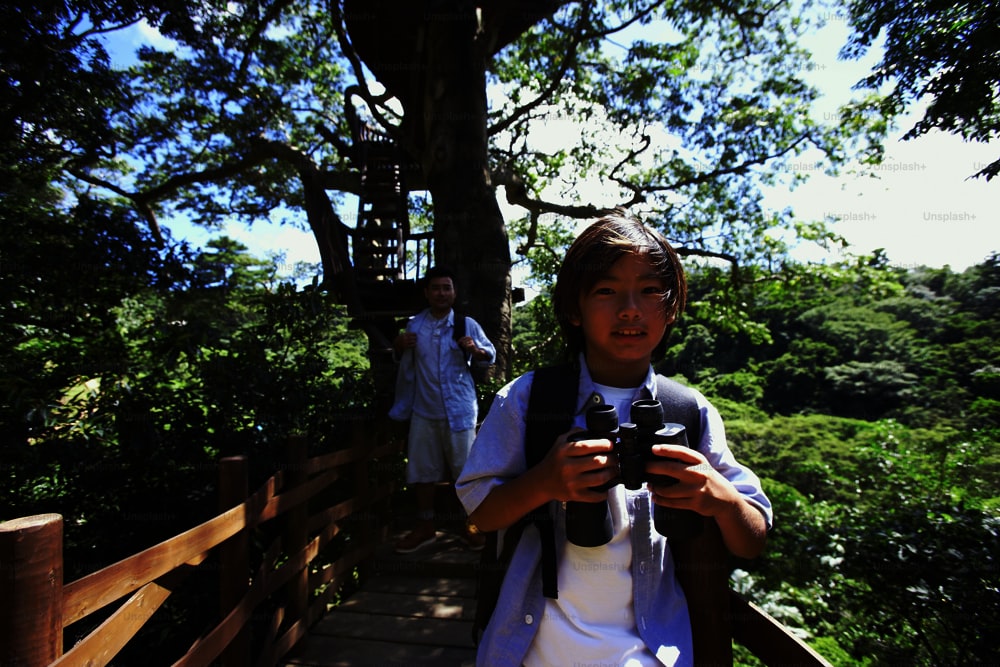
(623, 318)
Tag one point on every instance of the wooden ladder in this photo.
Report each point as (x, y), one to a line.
(383, 223)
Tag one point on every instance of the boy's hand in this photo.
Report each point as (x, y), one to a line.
(571, 470)
(702, 488)
(699, 486)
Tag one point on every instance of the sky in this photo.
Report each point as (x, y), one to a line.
(920, 206)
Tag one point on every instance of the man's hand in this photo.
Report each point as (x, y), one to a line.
(469, 346)
(405, 341)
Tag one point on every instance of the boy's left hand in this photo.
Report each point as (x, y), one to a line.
(702, 488)
(699, 486)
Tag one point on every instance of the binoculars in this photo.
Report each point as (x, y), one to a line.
(589, 524)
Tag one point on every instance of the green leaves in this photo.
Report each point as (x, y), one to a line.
(947, 52)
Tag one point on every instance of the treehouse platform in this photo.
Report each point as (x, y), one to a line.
(415, 609)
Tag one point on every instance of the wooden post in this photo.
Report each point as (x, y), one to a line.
(363, 491)
(31, 582)
(234, 556)
(296, 531)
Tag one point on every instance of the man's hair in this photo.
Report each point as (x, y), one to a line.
(439, 272)
(591, 256)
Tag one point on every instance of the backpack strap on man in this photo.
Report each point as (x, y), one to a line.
(458, 331)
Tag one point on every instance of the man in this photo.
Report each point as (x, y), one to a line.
(435, 391)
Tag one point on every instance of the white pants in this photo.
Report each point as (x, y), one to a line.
(434, 450)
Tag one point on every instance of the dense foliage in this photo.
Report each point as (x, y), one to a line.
(946, 53)
(122, 361)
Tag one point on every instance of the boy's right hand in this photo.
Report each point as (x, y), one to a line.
(574, 468)
(567, 472)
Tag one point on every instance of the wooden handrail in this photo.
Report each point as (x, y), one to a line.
(37, 606)
(767, 639)
(92, 592)
(33, 588)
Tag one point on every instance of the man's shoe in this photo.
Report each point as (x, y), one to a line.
(414, 541)
(476, 541)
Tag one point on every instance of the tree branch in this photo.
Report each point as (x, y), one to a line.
(554, 81)
(637, 192)
(702, 252)
(362, 89)
(517, 195)
(510, 19)
(143, 206)
(724, 171)
(260, 150)
(252, 42)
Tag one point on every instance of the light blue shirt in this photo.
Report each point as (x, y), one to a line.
(659, 605)
(443, 378)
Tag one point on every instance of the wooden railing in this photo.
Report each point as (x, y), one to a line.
(36, 607)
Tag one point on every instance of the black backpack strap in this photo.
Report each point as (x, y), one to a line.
(551, 406)
(458, 331)
(701, 563)
(680, 405)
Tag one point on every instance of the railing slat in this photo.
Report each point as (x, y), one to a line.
(767, 639)
(101, 646)
(264, 584)
(234, 558)
(282, 503)
(94, 591)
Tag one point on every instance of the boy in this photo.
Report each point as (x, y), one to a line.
(618, 293)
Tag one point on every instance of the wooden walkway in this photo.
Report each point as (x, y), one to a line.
(415, 609)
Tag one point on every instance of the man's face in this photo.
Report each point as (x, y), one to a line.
(440, 294)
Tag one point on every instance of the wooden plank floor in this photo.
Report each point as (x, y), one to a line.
(416, 609)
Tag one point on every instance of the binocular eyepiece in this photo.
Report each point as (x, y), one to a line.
(589, 524)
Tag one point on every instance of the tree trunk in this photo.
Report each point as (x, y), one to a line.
(470, 235)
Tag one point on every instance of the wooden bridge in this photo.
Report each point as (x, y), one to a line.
(416, 609)
(284, 597)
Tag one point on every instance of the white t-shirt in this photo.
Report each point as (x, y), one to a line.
(594, 612)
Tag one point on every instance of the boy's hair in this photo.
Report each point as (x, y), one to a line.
(603, 243)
